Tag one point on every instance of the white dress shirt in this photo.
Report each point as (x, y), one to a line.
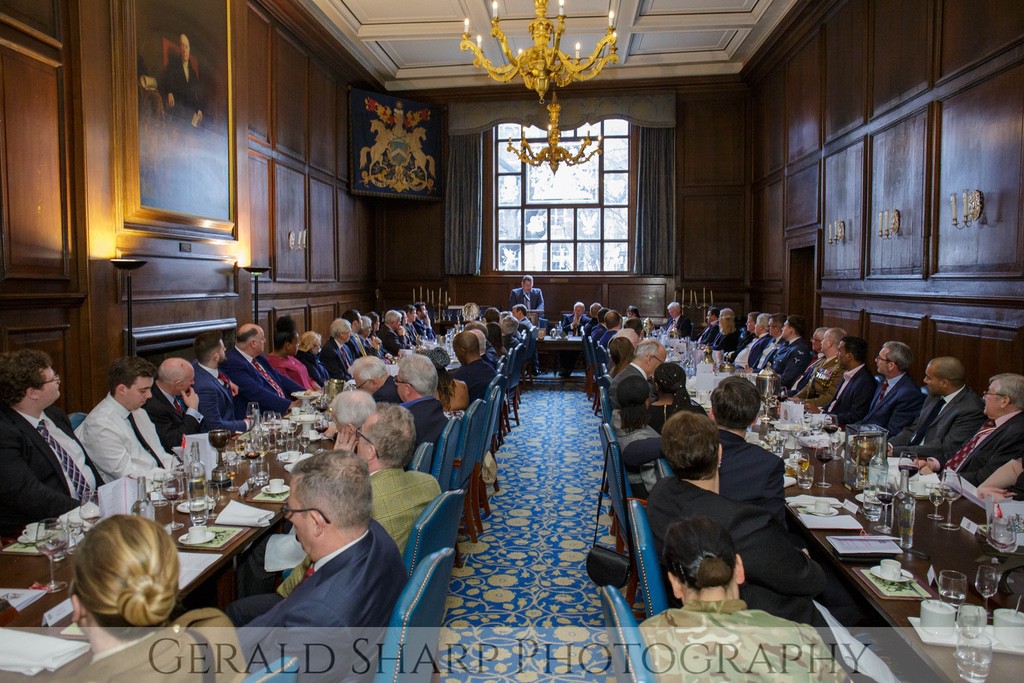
(108, 437)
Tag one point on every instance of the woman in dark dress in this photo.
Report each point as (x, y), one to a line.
(309, 355)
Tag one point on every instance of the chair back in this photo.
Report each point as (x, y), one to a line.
(445, 451)
(415, 624)
(495, 404)
(616, 473)
(624, 639)
(435, 528)
(77, 419)
(284, 670)
(515, 366)
(474, 422)
(649, 575)
(422, 459)
(663, 469)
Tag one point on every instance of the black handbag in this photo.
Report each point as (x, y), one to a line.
(606, 566)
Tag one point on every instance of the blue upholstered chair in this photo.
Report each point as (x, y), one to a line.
(663, 469)
(649, 575)
(77, 419)
(423, 459)
(435, 528)
(624, 640)
(447, 449)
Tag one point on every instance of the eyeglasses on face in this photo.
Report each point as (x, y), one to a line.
(991, 393)
(287, 512)
(56, 378)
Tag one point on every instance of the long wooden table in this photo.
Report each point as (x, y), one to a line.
(957, 550)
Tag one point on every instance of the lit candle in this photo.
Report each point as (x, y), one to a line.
(494, 8)
(611, 18)
(465, 25)
(577, 50)
(561, 8)
(479, 40)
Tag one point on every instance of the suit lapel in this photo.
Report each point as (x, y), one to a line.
(42, 448)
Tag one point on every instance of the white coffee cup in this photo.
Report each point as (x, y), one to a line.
(1008, 625)
(821, 507)
(890, 569)
(936, 616)
(276, 486)
(197, 534)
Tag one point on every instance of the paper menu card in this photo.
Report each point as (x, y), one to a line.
(116, 498)
(192, 565)
(864, 545)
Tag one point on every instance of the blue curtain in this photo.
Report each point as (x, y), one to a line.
(654, 251)
(463, 212)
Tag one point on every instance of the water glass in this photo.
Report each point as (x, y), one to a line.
(971, 620)
(952, 586)
(89, 510)
(261, 477)
(973, 658)
(871, 506)
(1001, 535)
(804, 474)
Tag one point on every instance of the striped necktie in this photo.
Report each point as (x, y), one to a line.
(270, 380)
(79, 484)
(967, 449)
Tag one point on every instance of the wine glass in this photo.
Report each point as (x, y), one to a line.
(885, 491)
(951, 489)
(971, 620)
(937, 496)
(823, 454)
(304, 437)
(157, 479)
(89, 510)
(231, 463)
(252, 411)
(321, 424)
(952, 586)
(987, 581)
(52, 541)
(173, 489)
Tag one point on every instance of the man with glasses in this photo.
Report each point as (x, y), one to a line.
(776, 321)
(417, 386)
(371, 375)
(749, 355)
(897, 399)
(356, 574)
(794, 354)
(649, 355)
(44, 470)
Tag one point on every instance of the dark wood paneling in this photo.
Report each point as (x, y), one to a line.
(258, 74)
(775, 122)
(415, 240)
(849, 319)
(320, 318)
(973, 30)
(845, 68)
(768, 233)
(289, 216)
(713, 142)
(354, 246)
(34, 241)
(341, 135)
(170, 276)
(321, 245)
(897, 182)
(984, 348)
(802, 197)
(844, 201)
(260, 193)
(290, 103)
(280, 310)
(322, 126)
(910, 329)
(981, 148)
(714, 230)
(41, 15)
(803, 101)
(901, 51)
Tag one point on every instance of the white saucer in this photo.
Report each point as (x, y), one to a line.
(288, 456)
(832, 512)
(184, 507)
(266, 490)
(184, 539)
(877, 572)
(25, 538)
(307, 394)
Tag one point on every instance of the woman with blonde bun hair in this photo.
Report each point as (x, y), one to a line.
(125, 597)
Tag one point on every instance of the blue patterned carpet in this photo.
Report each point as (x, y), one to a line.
(524, 594)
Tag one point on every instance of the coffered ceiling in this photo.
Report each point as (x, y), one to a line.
(414, 44)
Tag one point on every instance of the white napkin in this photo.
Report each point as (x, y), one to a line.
(837, 522)
(804, 500)
(29, 653)
(283, 552)
(290, 466)
(788, 481)
(239, 514)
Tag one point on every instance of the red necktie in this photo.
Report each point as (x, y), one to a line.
(223, 379)
(881, 394)
(270, 380)
(968, 448)
(309, 572)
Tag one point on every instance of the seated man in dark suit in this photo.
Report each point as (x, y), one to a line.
(854, 395)
(527, 295)
(595, 308)
(371, 375)
(173, 406)
(475, 372)
(417, 387)
(648, 356)
(336, 354)
(257, 380)
(598, 330)
(748, 473)
(677, 321)
(44, 469)
(781, 579)
(950, 415)
(710, 330)
(356, 574)
(422, 325)
(794, 354)
(897, 399)
(576, 322)
(216, 392)
(392, 333)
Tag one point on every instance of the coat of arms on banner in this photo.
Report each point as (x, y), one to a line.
(396, 146)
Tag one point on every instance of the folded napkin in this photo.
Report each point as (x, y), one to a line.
(788, 481)
(813, 440)
(29, 653)
(239, 514)
(804, 500)
(283, 552)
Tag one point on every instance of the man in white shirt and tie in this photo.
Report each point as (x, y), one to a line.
(118, 433)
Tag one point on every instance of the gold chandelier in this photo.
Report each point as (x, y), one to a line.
(554, 154)
(544, 64)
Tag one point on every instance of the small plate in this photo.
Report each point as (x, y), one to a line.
(183, 539)
(832, 512)
(25, 538)
(307, 394)
(876, 571)
(288, 456)
(266, 490)
(184, 507)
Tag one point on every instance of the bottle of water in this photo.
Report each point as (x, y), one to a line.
(903, 505)
(143, 506)
(878, 469)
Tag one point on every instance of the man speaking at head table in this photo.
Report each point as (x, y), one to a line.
(527, 295)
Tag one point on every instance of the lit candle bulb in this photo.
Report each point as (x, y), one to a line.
(479, 40)
(611, 18)
(561, 8)
(577, 50)
(465, 25)
(494, 8)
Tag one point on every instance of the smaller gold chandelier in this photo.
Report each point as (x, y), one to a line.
(544, 64)
(554, 154)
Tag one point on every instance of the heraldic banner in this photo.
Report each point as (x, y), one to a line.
(395, 146)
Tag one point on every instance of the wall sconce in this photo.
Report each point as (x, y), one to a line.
(888, 223)
(836, 232)
(974, 204)
(256, 271)
(126, 266)
(298, 240)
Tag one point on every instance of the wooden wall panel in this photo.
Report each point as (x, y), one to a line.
(901, 51)
(53, 339)
(322, 126)
(713, 142)
(320, 318)
(35, 234)
(984, 348)
(849, 319)
(321, 247)
(714, 227)
(845, 68)
(768, 232)
(171, 276)
(844, 201)
(981, 148)
(298, 313)
(911, 329)
(898, 171)
(289, 216)
(40, 15)
(290, 96)
(415, 241)
(353, 246)
(260, 193)
(775, 122)
(341, 114)
(973, 30)
(258, 74)
(802, 197)
(803, 101)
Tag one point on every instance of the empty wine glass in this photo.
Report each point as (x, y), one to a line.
(937, 496)
(157, 479)
(173, 490)
(885, 491)
(986, 582)
(89, 510)
(252, 411)
(951, 489)
(52, 541)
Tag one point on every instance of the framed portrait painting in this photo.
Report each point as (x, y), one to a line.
(395, 146)
(175, 86)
